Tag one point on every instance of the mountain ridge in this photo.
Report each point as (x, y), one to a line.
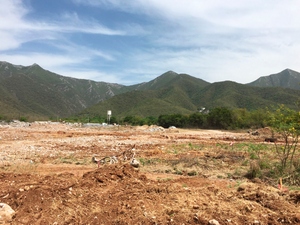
(287, 78)
(33, 91)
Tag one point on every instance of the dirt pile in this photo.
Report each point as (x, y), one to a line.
(119, 194)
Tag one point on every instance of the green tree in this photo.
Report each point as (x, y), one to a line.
(287, 123)
(197, 120)
(220, 118)
(176, 120)
(133, 120)
(23, 119)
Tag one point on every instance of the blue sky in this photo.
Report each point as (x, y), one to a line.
(133, 41)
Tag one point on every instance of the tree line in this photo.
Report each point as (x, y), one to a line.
(217, 118)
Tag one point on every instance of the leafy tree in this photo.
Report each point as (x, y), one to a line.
(23, 119)
(197, 120)
(176, 120)
(149, 120)
(220, 118)
(113, 119)
(133, 120)
(287, 123)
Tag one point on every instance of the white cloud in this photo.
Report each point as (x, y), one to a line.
(88, 74)
(15, 29)
(216, 40)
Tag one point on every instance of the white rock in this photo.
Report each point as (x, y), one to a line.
(6, 213)
(135, 163)
(214, 222)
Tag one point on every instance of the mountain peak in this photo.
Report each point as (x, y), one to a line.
(35, 65)
(287, 78)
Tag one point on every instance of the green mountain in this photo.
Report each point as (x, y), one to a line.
(36, 93)
(33, 91)
(186, 95)
(286, 78)
(167, 94)
(234, 95)
(167, 79)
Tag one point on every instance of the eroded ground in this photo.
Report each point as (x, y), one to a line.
(185, 177)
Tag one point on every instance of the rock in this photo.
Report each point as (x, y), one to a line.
(196, 207)
(245, 186)
(135, 163)
(214, 222)
(256, 180)
(6, 213)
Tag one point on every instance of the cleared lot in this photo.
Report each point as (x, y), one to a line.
(185, 177)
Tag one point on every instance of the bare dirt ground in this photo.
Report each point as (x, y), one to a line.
(185, 177)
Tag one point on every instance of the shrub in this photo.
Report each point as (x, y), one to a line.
(286, 122)
(23, 119)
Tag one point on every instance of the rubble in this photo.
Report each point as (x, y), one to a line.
(6, 213)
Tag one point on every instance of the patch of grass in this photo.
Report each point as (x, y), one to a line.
(245, 163)
(238, 183)
(184, 185)
(192, 173)
(294, 188)
(165, 179)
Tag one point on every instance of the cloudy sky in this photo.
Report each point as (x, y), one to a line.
(132, 41)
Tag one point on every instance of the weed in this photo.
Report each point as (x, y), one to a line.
(264, 165)
(165, 179)
(184, 185)
(238, 183)
(294, 188)
(237, 172)
(192, 173)
(253, 156)
(255, 170)
(245, 163)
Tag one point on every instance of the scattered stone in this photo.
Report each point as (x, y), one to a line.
(244, 186)
(214, 222)
(6, 213)
(135, 163)
(256, 180)
(6, 196)
(196, 207)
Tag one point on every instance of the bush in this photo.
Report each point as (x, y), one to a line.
(220, 118)
(23, 119)
(286, 122)
(176, 120)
